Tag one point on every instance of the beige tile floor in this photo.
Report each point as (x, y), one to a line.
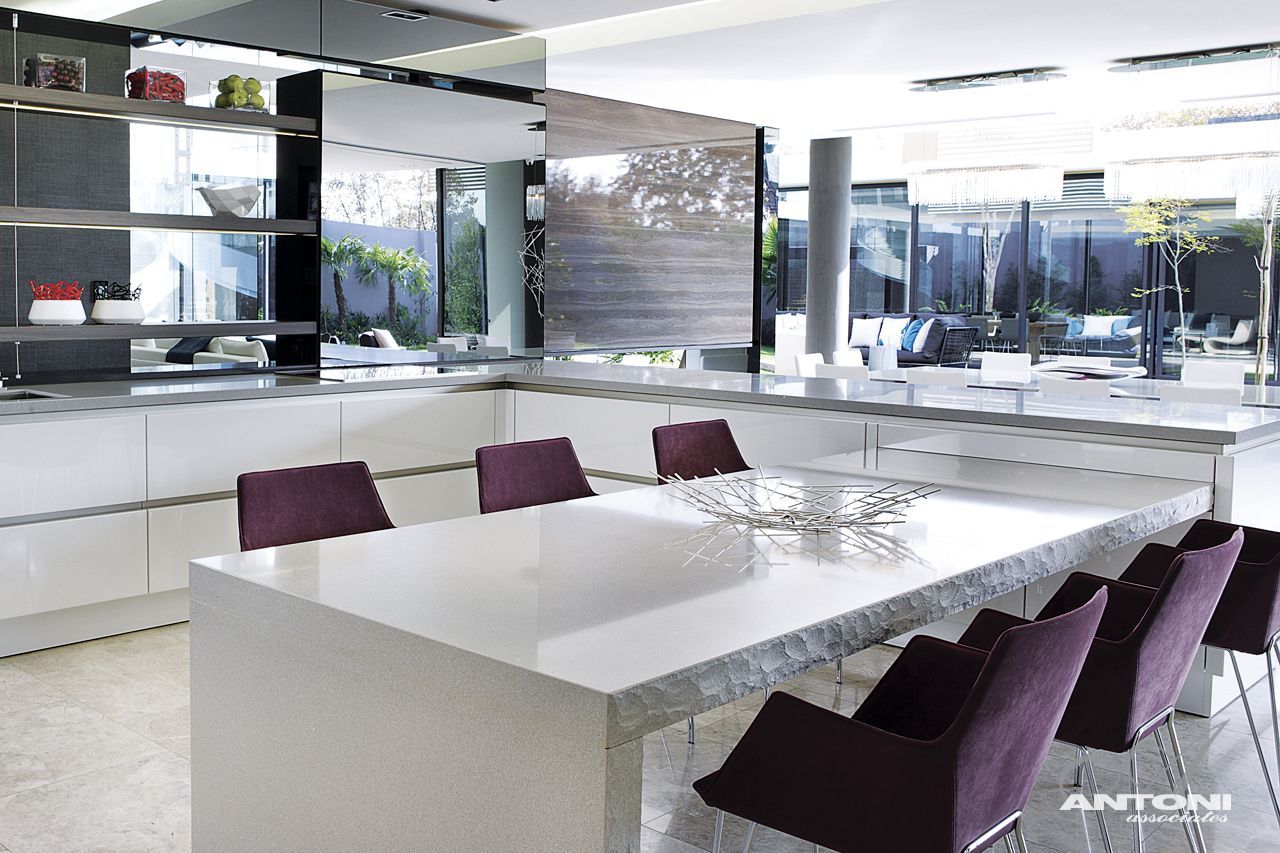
(95, 751)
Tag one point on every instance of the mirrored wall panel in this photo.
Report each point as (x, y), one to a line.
(651, 227)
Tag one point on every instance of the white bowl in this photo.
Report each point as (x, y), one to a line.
(56, 312)
(236, 201)
(112, 311)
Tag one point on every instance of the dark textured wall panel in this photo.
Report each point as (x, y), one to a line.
(650, 227)
(71, 162)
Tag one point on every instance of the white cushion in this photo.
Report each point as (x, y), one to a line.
(214, 346)
(891, 331)
(864, 332)
(921, 336)
(384, 339)
(1097, 326)
(239, 346)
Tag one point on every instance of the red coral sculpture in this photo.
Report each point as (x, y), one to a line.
(57, 290)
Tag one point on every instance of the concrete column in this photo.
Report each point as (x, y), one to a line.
(827, 288)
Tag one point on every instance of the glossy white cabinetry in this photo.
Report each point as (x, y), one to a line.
(423, 498)
(774, 438)
(179, 534)
(608, 434)
(63, 465)
(56, 564)
(393, 433)
(1041, 450)
(200, 451)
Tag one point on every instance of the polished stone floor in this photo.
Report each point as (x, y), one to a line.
(95, 749)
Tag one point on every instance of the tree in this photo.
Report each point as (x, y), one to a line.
(379, 260)
(1173, 227)
(338, 257)
(414, 274)
(769, 258)
(992, 248)
(464, 278)
(1261, 236)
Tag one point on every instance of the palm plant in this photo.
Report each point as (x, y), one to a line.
(381, 261)
(414, 274)
(338, 256)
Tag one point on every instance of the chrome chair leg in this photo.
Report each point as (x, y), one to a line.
(1173, 786)
(751, 831)
(690, 730)
(1021, 839)
(1008, 842)
(1093, 792)
(1275, 713)
(719, 833)
(1079, 780)
(1253, 728)
(768, 691)
(1137, 803)
(1186, 780)
(839, 670)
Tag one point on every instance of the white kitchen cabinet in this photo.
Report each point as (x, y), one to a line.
(608, 434)
(72, 464)
(394, 433)
(52, 565)
(179, 534)
(200, 451)
(774, 438)
(423, 498)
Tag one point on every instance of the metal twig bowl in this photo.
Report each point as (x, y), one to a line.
(768, 502)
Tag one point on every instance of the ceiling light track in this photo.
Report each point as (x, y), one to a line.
(983, 81)
(1191, 59)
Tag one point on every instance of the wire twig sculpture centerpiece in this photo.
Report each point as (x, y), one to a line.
(769, 503)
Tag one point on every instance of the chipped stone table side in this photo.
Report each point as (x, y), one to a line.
(649, 707)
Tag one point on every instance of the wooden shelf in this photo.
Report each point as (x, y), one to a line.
(92, 332)
(154, 112)
(122, 219)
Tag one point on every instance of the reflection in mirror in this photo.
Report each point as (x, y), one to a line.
(424, 231)
(153, 355)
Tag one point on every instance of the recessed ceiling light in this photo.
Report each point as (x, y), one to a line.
(1199, 57)
(401, 15)
(982, 81)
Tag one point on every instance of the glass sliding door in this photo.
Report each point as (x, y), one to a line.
(879, 268)
(967, 263)
(1084, 275)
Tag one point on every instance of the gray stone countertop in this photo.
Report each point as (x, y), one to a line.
(1135, 418)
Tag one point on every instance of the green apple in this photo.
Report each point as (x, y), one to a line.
(224, 85)
(223, 101)
(235, 81)
(252, 86)
(239, 98)
(257, 102)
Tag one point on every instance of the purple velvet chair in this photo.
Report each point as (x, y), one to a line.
(529, 473)
(697, 449)
(940, 758)
(1139, 660)
(1247, 619)
(293, 505)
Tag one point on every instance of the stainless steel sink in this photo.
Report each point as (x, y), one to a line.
(12, 394)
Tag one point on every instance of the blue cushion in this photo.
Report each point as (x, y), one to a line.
(1074, 327)
(1120, 325)
(909, 336)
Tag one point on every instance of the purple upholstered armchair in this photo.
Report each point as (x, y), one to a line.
(697, 449)
(1247, 619)
(291, 505)
(940, 758)
(1138, 662)
(529, 473)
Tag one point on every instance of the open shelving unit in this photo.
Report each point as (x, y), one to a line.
(53, 217)
(128, 331)
(152, 112)
(73, 182)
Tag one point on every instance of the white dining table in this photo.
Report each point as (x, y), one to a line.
(485, 683)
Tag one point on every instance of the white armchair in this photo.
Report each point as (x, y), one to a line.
(1222, 344)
